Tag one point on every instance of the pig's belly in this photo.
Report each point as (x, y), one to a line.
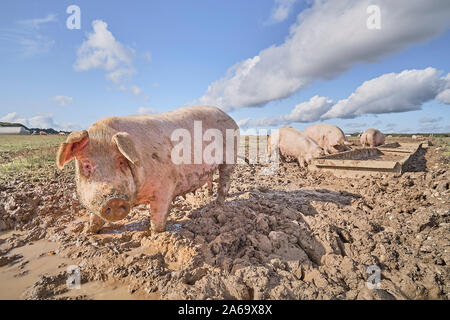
(193, 177)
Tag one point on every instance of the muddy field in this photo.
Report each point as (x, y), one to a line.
(293, 235)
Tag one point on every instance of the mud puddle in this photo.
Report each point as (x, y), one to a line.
(27, 264)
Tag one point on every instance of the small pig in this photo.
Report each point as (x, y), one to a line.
(293, 143)
(125, 161)
(372, 138)
(329, 137)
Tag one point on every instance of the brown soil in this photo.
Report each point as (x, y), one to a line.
(293, 235)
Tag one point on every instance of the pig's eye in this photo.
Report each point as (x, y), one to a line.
(123, 163)
(87, 169)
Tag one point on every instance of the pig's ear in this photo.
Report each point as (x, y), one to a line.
(76, 141)
(126, 146)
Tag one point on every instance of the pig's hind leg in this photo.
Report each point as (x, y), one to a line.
(225, 172)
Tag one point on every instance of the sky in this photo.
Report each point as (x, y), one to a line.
(268, 63)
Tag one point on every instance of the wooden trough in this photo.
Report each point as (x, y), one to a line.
(390, 158)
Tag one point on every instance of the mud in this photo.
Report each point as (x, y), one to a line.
(293, 235)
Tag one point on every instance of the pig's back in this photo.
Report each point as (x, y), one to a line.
(164, 124)
(316, 131)
(294, 143)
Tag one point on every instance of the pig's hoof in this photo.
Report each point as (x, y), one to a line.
(158, 228)
(91, 230)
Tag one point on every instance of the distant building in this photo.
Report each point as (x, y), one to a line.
(13, 130)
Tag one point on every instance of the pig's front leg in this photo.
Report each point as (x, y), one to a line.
(159, 210)
(225, 172)
(95, 223)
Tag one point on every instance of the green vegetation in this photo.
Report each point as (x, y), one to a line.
(444, 144)
(30, 157)
(15, 143)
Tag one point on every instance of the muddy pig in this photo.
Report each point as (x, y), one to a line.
(125, 161)
(328, 136)
(293, 143)
(372, 138)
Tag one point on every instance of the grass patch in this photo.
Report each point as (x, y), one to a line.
(444, 144)
(29, 157)
(16, 143)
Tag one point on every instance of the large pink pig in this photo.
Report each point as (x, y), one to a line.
(372, 138)
(328, 136)
(293, 143)
(125, 161)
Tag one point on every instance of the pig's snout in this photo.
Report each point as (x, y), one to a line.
(115, 209)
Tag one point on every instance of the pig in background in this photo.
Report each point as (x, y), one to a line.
(125, 161)
(372, 138)
(329, 137)
(293, 143)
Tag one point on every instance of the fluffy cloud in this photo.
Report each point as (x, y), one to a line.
(328, 39)
(444, 96)
(308, 111)
(392, 92)
(281, 10)
(389, 93)
(39, 121)
(102, 51)
(63, 100)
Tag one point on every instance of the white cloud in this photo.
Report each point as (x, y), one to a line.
(63, 100)
(37, 22)
(392, 92)
(146, 110)
(102, 51)
(281, 10)
(28, 36)
(308, 111)
(328, 39)
(444, 96)
(44, 121)
(389, 93)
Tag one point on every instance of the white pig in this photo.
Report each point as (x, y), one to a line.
(125, 161)
(293, 143)
(372, 138)
(328, 136)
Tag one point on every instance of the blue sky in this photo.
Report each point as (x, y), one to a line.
(166, 54)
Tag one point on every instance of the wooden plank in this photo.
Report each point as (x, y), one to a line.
(366, 164)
